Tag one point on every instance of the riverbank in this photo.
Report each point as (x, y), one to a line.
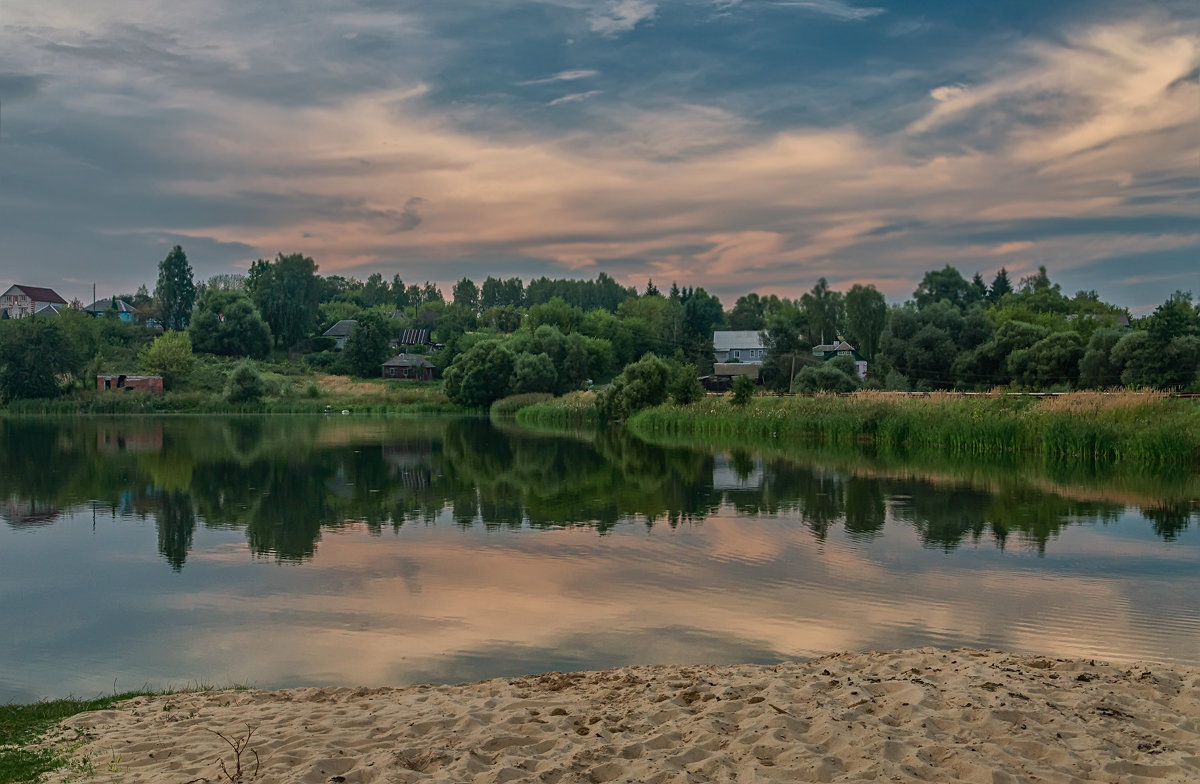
(1145, 427)
(911, 716)
(312, 394)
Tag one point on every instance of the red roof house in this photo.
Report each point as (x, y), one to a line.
(20, 301)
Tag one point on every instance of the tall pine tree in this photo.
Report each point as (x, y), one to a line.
(175, 291)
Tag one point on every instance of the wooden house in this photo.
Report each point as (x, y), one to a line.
(411, 366)
(840, 348)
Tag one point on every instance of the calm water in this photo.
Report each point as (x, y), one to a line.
(289, 551)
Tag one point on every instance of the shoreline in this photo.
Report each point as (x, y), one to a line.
(924, 715)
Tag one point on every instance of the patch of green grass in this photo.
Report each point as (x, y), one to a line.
(22, 727)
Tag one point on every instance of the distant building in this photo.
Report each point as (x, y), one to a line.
(51, 310)
(341, 331)
(721, 379)
(412, 366)
(20, 301)
(413, 337)
(744, 345)
(840, 348)
(130, 383)
(124, 310)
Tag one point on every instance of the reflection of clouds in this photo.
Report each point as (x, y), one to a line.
(763, 586)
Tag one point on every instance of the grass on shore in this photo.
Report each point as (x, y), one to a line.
(1137, 426)
(1148, 427)
(571, 411)
(22, 728)
(310, 395)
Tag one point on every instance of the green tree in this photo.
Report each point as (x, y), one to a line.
(368, 346)
(866, 316)
(555, 312)
(170, 356)
(1051, 362)
(287, 292)
(749, 313)
(533, 373)
(34, 354)
(825, 313)
(1001, 285)
(480, 375)
(466, 295)
(175, 291)
(226, 323)
(1096, 368)
(944, 284)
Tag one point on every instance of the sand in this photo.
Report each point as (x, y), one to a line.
(909, 716)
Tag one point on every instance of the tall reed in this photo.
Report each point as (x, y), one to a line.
(1146, 427)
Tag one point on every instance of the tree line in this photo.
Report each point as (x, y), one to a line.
(506, 336)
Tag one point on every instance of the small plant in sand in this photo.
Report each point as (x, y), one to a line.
(240, 746)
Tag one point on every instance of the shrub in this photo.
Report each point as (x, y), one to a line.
(743, 390)
(245, 384)
(170, 356)
(643, 384)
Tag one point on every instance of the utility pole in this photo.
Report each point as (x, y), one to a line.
(792, 378)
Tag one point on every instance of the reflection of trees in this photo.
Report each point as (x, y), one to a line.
(1170, 520)
(523, 478)
(284, 480)
(176, 522)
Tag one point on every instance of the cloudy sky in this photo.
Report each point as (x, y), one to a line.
(733, 144)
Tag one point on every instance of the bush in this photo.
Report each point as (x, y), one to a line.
(643, 384)
(170, 356)
(824, 378)
(245, 384)
(743, 390)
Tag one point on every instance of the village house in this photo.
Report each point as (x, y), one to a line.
(840, 348)
(125, 312)
(20, 301)
(411, 366)
(735, 353)
(341, 332)
(743, 345)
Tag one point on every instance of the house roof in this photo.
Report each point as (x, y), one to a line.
(408, 360)
(726, 340)
(413, 337)
(39, 294)
(342, 329)
(101, 305)
(50, 310)
(840, 345)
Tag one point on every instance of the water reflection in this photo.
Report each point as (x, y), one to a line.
(282, 551)
(285, 481)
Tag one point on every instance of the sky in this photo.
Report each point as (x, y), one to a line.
(737, 145)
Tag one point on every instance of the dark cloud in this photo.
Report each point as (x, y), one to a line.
(15, 87)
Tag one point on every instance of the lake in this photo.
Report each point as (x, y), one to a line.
(286, 551)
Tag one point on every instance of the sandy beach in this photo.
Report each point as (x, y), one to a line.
(909, 716)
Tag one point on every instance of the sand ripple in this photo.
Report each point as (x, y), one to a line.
(927, 715)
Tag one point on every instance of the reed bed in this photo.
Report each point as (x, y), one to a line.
(1147, 427)
(572, 410)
